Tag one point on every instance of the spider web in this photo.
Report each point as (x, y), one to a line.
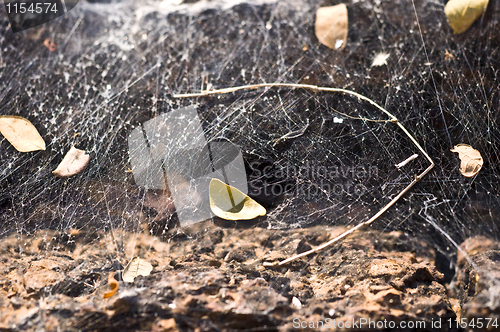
(311, 157)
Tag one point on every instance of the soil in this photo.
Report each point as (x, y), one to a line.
(211, 278)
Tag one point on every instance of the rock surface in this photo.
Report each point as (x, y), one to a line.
(478, 283)
(213, 279)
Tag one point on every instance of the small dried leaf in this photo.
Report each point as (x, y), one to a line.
(471, 159)
(462, 13)
(136, 267)
(73, 163)
(331, 26)
(113, 284)
(229, 203)
(21, 133)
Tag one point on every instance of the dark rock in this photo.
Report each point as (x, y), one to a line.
(478, 290)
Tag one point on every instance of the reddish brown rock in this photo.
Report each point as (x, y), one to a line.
(215, 277)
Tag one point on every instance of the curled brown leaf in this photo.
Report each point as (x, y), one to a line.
(113, 284)
(136, 267)
(73, 163)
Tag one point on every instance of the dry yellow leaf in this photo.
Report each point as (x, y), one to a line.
(331, 26)
(471, 160)
(113, 284)
(136, 267)
(462, 13)
(21, 133)
(229, 203)
(73, 163)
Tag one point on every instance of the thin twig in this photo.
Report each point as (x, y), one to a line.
(338, 90)
(406, 161)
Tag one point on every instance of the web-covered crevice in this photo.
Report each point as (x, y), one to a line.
(311, 158)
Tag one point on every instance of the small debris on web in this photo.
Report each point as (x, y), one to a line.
(21, 133)
(136, 267)
(331, 26)
(113, 284)
(462, 13)
(472, 161)
(50, 44)
(73, 163)
(229, 203)
(380, 59)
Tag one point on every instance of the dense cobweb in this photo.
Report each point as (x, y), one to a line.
(310, 157)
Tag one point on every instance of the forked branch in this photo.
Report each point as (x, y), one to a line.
(337, 90)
